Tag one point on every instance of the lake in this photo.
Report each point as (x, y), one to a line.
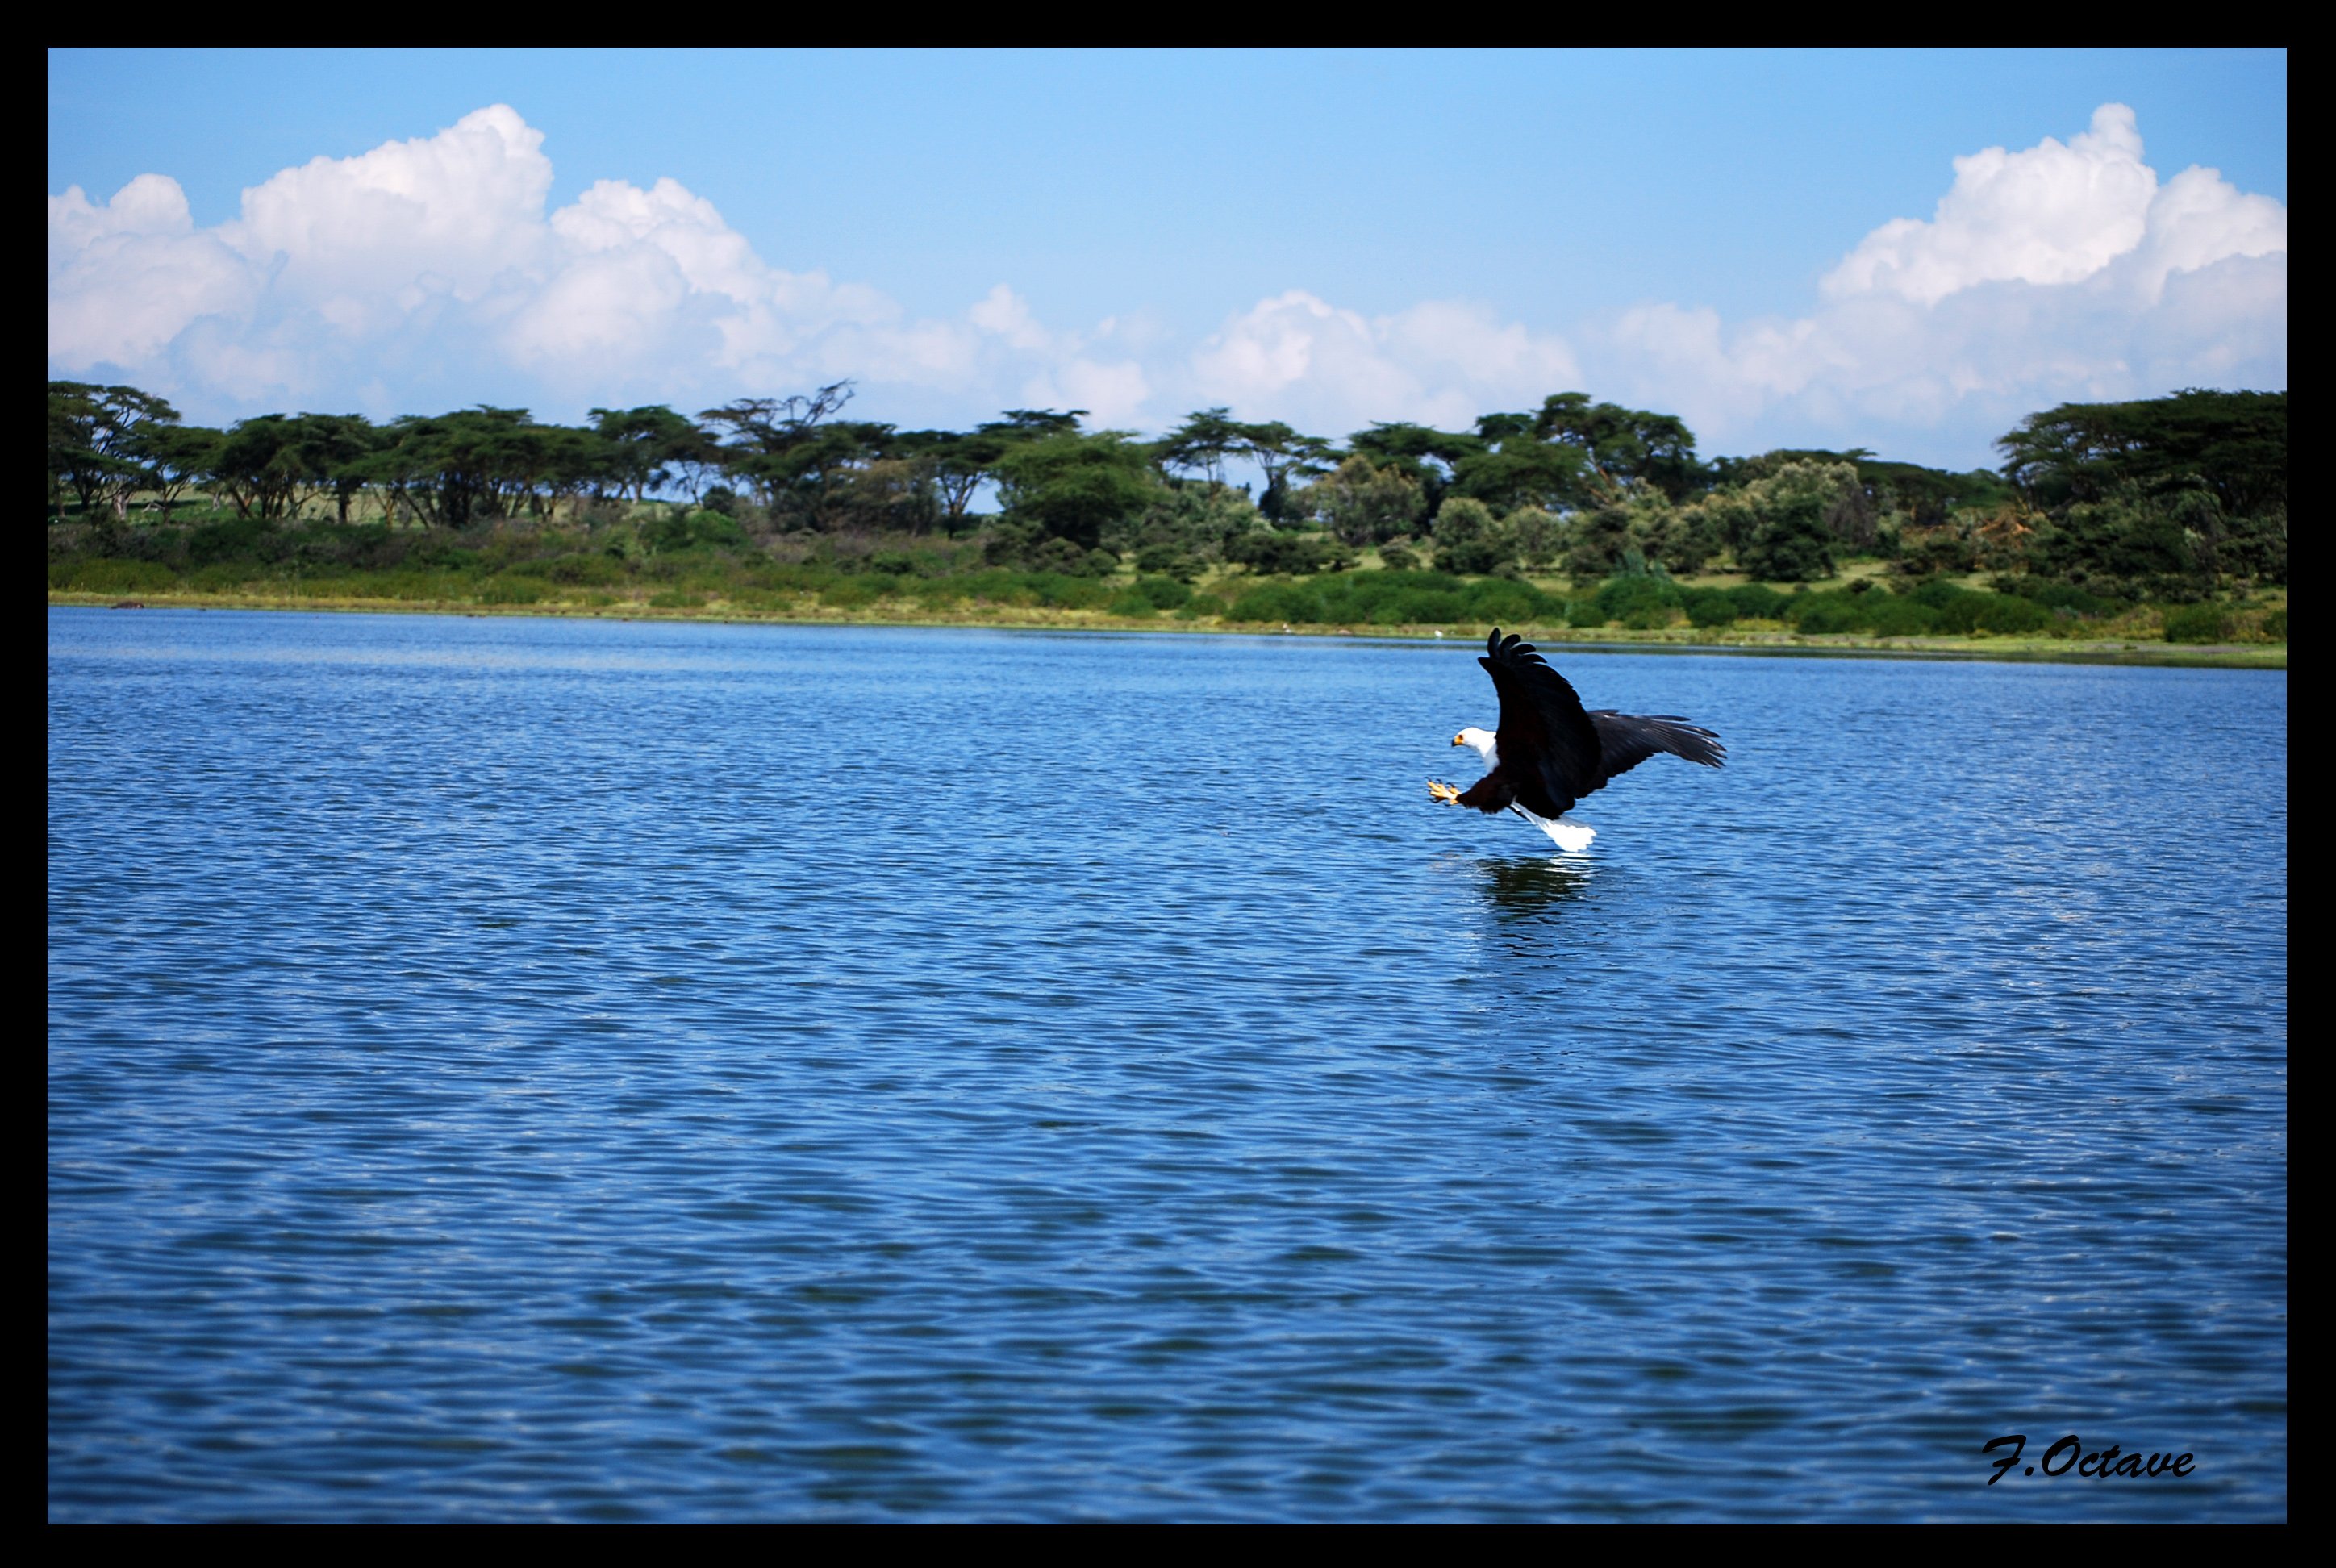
(517, 1069)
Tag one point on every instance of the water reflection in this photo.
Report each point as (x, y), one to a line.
(1535, 885)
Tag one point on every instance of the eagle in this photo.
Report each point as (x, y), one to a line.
(1549, 752)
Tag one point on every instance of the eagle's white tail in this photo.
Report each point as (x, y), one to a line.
(1571, 837)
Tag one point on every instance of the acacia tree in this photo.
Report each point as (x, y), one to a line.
(260, 466)
(399, 467)
(1429, 457)
(812, 477)
(333, 449)
(756, 429)
(2233, 444)
(693, 459)
(94, 437)
(1074, 486)
(1201, 443)
(1035, 423)
(957, 463)
(576, 462)
(645, 444)
(523, 458)
(1625, 448)
(459, 468)
(1283, 455)
(177, 458)
(1516, 467)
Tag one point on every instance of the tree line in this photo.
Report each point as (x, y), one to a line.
(2174, 495)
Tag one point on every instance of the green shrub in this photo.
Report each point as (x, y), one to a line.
(1432, 607)
(1896, 616)
(1132, 603)
(443, 553)
(1644, 598)
(1168, 558)
(998, 586)
(330, 588)
(234, 539)
(1295, 554)
(1710, 606)
(1470, 540)
(2005, 615)
(411, 585)
(110, 574)
(1425, 598)
(2124, 535)
(1828, 613)
(2055, 595)
(1502, 602)
(1959, 616)
(2197, 623)
(1278, 603)
(2274, 626)
(1162, 592)
(937, 591)
(1794, 514)
(851, 593)
(514, 590)
(1757, 601)
(1199, 605)
(1795, 546)
(220, 577)
(698, 529)
(808, 578)
(582, 568)
(1056, 590)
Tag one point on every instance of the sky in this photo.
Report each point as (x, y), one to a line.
(1905, 251)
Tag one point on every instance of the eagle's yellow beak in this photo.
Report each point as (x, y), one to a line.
(1457, 741)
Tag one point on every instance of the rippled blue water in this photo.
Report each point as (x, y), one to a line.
(513, 1070)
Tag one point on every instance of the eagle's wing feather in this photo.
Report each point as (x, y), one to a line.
(1546, 742)
(1625, 740)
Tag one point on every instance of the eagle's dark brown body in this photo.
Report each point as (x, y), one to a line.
(1549, 751)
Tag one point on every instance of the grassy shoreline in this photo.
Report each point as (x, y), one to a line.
(1682, 639)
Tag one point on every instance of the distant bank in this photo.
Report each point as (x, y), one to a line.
(2009, 648)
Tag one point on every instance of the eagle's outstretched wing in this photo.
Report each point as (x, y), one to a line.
(1547, 744)
(1627, 739)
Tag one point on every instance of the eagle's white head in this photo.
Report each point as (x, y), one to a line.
(1480, 739)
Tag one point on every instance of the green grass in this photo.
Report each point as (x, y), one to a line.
(707, 573)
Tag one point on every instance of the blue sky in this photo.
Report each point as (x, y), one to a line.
(1782, 246)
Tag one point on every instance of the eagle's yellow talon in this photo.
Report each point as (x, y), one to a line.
(1443, 792)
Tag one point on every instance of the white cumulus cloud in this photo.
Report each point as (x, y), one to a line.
(433, 263)
(431, 273)
(2062, 272)
(2051, 214)
(1299, 359)
(127, 277)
